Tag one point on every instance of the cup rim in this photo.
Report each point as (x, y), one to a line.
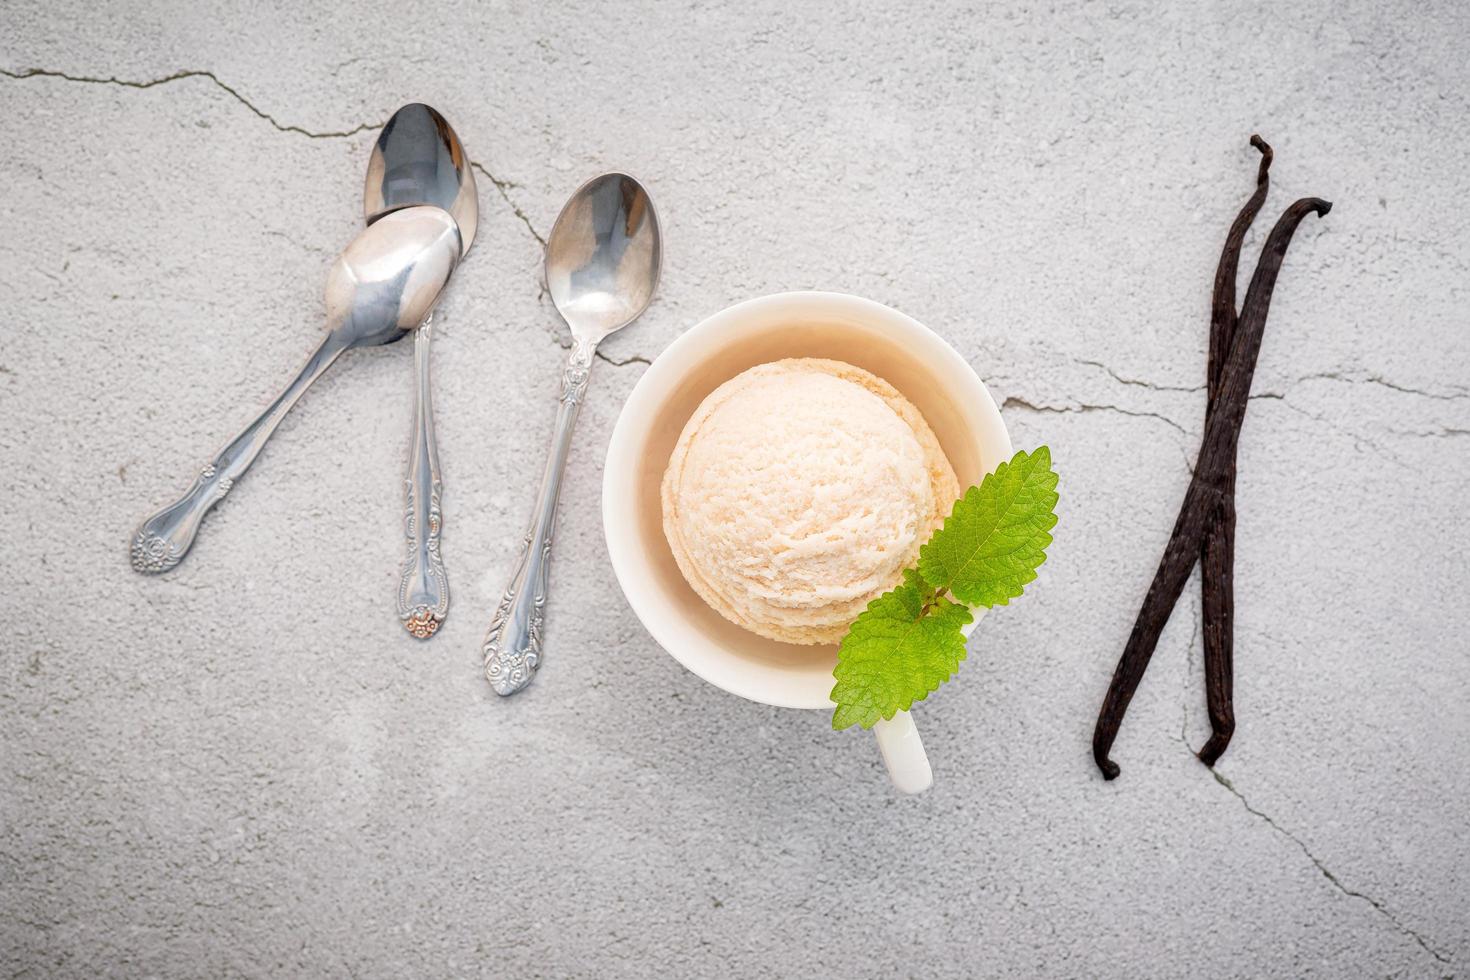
(619, 506)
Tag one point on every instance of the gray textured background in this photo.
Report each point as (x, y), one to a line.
(247, 768)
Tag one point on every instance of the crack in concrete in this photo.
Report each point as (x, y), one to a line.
(192, 73)
(1134, 382)
(1082, 409)
(1326, 873)
(632, 359)
(1376, 379)
(1363, 444)
(502, 187)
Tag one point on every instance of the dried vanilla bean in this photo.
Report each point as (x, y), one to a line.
(1217, 550)
(1207, 489)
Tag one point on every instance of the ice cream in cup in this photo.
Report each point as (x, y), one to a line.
(776, 469)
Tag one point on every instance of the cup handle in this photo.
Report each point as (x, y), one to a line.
(903, 753)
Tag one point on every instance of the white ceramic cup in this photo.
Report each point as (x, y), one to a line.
(906, 354)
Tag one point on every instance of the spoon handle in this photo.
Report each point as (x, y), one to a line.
(512, 647)
(164, 538)
(423, 589)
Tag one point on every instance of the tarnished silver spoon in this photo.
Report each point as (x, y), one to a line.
(418, 159)
(602, 266)
(379, 289)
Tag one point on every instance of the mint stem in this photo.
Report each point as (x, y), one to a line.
(932, 602)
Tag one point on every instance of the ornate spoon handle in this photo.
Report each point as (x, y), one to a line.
(162, 539)
(512, 647)
(423, 589)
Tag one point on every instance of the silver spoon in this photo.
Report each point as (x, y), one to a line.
(602, 265)
(418, 159)
(380, 288)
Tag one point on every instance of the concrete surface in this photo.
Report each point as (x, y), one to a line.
(246, 768)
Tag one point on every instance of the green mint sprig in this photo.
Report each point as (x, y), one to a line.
(909, 640)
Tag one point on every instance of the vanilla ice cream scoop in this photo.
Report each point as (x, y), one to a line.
(798, 492)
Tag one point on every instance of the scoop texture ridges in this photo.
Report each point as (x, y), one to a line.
(798, 492)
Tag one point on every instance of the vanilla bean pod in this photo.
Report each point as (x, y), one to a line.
(1217, 549)
(1207, 488)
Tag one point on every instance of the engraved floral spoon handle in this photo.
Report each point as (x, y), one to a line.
(163, 538)
(512, 647)
(423, 588)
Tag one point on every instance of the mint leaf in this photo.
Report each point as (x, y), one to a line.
(904, 645)
(995, 538)
(909, 640)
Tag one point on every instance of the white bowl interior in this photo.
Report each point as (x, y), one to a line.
(898, 349)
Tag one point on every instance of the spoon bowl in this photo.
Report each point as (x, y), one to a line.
(603, 256)
(387, 280)
(419, 159)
